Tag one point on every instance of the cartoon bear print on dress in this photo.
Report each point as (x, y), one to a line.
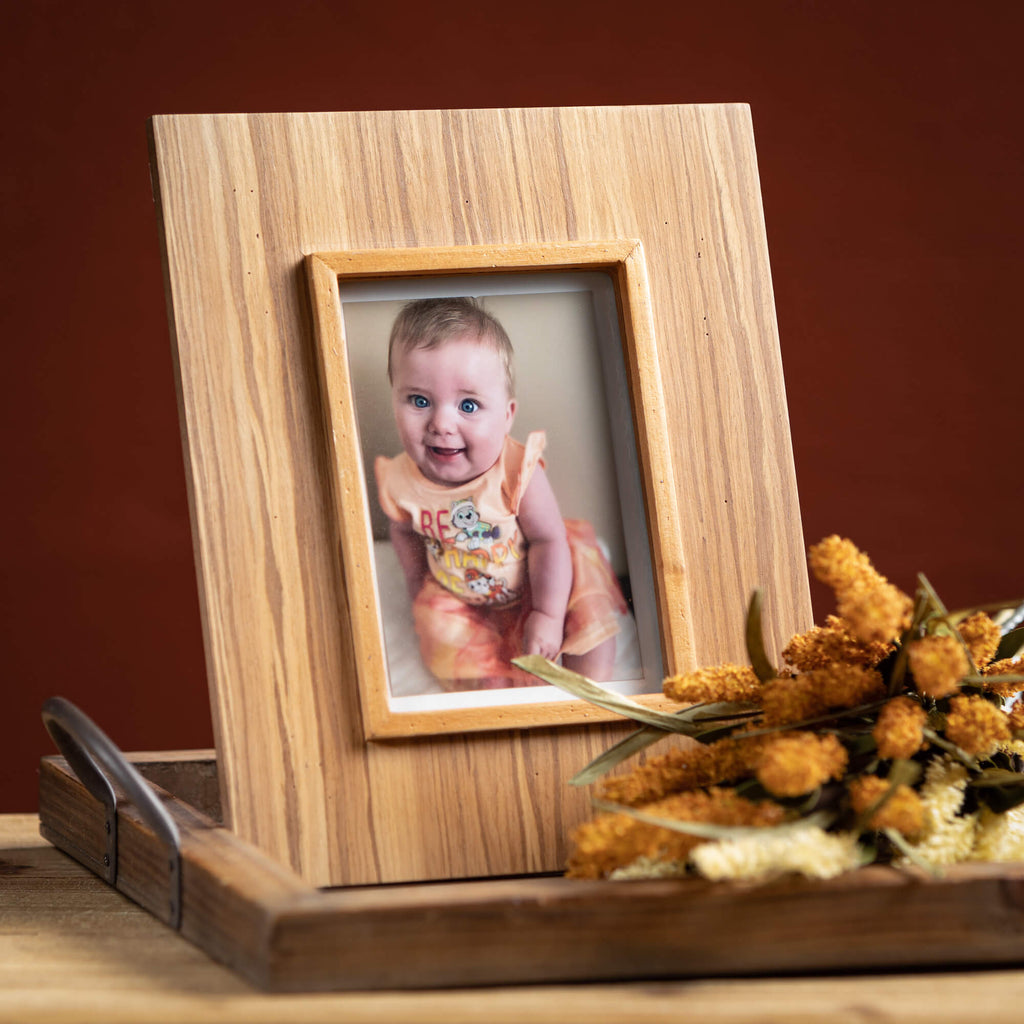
(473, 532)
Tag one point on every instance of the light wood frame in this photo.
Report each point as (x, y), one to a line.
(243, 199)
(624, 262)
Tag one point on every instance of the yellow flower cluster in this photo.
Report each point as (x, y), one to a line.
(689, 767)
(975, 725)
(834, 642)
(981, 635)
(898, 731)
(874, 609)
(794, 764)
(611, 841)
(811, 695)
(1004, 667)
(847, 701)
(938, 664)
(735, 683)
(900, 810)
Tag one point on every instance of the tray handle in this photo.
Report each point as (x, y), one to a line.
(98, 763)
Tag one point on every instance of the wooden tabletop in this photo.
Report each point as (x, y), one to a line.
(72, 949)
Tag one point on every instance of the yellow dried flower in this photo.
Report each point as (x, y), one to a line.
(725, 683)
(982, 637)
(876, 611)
(975, 725)
(1005, 667)
(838, 563)
(938, 664)
(898, 729)
(822, 646)
(797, 763)
(693, 766)
(814, 693)
(876, 614)
(1016, 717)
(902, 811)
(612, 841)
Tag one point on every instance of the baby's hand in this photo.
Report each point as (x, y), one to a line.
(543, 634)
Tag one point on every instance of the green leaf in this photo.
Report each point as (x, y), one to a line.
(997, 777)
(759, 660)
(1011, 644)
(922, 610)
(910, 853)
(989, 609)
(616, 754)
(643, 738)
(932, 597)
(707, 830)
(1001, 799)
(903, 772)
(581, 686)
(951, 748)
(829, 716)
(975, 680)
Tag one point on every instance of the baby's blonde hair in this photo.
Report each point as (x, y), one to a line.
(429, 323)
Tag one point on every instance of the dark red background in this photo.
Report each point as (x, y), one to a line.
(890, 154)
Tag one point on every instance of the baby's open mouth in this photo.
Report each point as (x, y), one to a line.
(445, 453)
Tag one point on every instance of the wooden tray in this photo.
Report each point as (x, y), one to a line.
(262, 920)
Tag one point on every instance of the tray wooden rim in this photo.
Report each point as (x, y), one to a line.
(282, 934)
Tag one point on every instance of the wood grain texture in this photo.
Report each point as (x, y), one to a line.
(246, 910)
(242, 199)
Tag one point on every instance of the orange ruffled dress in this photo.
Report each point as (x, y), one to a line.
(471, 612)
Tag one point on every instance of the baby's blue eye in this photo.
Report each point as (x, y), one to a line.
(469, 405)
(419, 401)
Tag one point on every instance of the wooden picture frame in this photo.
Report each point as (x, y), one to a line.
(243, 200)
(623, 262)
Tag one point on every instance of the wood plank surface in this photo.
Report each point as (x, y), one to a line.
(250, 912)
(74, 949)
(242, 200)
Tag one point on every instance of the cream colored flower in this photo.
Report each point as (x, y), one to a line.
(1000, 837)
(809, 851)
(650, 867)
(948, 836)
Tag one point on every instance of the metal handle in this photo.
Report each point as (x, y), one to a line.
(98, 763)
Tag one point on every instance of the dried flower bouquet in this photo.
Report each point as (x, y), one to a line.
(893, 733)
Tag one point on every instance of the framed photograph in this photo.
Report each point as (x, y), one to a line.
(623, 251)
(578, 317)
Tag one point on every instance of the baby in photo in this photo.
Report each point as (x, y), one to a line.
(492, 568)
